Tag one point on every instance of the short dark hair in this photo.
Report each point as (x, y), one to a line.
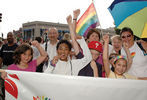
(21, 50)
(126, 29)
(92, 31)
(39, 39)
(64, 42)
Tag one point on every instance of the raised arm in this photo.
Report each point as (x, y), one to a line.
(73, 36)
(129, 58)
(105, 55)
(75, 16)
(42, 52)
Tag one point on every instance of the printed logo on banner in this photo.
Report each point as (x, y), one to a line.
(10, 86)
(41, 98)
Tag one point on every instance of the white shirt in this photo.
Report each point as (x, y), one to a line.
(111, 50)
(73, 68)
(139, 64)
(36, 53)
(51, 50)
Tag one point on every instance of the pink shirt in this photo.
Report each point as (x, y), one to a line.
(31, 67)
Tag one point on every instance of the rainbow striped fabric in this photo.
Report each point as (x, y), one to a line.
(87, 21)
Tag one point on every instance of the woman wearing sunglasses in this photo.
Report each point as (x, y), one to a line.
(139, 64)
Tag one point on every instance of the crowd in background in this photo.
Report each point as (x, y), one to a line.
(95, 55)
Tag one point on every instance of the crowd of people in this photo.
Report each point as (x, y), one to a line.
(75, 55)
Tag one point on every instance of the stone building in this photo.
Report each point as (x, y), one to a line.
(31, 30)
(38, 28)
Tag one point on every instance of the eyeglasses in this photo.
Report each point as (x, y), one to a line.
(126, 36)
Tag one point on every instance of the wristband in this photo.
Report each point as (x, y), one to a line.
(75, 19)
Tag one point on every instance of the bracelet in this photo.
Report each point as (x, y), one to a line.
(52, 64)
(75, 19)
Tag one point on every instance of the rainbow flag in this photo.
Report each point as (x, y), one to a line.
(87, 21)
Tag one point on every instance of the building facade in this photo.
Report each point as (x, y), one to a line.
(34, 29)
(38, 28)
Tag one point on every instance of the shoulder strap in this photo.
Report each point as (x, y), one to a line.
(141, 47)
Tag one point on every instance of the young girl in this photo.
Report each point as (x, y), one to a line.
(23, 58)
(121, 63)
(62, 64)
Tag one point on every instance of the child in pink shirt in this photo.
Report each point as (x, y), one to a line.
(23, 59)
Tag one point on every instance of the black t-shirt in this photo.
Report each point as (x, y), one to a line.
(6, 53)
(88, 71)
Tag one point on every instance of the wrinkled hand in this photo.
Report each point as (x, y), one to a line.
(76, 13)
(69, 19)
(106, 38)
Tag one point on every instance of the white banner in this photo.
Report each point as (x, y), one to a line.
(40, 86)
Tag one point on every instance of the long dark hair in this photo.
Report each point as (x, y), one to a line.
(21, 50)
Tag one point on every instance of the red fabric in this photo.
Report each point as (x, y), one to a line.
(95, 45)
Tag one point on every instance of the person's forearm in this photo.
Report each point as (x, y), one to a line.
(74, 42)
(105, 51)
(74, 25)
(105, 59)
(41, 51)
(95, 72)
(129, 58)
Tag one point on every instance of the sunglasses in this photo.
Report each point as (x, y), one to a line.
(126, 36)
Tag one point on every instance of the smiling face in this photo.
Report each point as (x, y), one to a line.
(63, 52)
(120, 66)
(26, 57)
(53, 34)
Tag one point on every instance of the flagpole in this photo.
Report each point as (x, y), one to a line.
(98, 19)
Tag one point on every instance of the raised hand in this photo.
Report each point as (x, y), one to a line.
(55, 59)
(69, 19)
(106, 38)
(125, 45)
(76, 13)
(35, 43)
